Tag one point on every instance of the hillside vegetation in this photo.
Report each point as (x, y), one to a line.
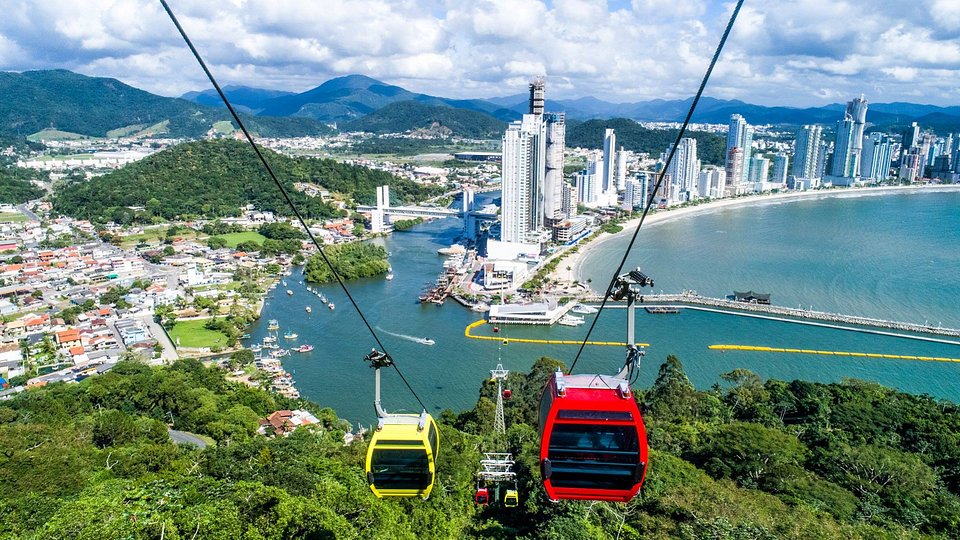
(633, 136)
(216, 178)
(15, 185)
(410, 115)
(94, 106)
(352, 261)
(745, 460)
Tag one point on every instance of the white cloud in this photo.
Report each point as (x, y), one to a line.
(794, 52)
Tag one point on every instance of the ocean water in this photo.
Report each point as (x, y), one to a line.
(894, 256)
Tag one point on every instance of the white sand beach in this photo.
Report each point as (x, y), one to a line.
(575, 261)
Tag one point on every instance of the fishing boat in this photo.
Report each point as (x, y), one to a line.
(389, 276)
(290, 335)
(308, 309)
(273, 325)
(255, 348)
(304, 348)
(279, 353)
(246, 336)
(321, 297)
(331, 305)
(284, 283)
(270, 339)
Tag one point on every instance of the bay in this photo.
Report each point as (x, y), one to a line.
(893, 256)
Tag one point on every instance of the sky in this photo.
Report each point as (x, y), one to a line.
(781, 52)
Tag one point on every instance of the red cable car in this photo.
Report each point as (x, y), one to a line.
(593, 442)
(507, 394)
(482, 496)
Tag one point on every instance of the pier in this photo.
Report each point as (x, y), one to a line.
(703, 303)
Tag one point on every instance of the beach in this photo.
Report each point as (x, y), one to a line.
(574, 261)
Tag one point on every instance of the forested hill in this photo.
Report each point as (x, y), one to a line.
(410, 115)
(15, 185)
(744, 460)
(95, 106)
(633, 136)
(217, 178)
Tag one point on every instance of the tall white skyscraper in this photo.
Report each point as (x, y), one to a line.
(849, 142)
(806, 154)
(739, 135)
(553, 175)
(523, 169)
(876, 157)
(684, 170)
(781, 168)
(609, 161)
(759, 171)
(621, 169)
(633, 196)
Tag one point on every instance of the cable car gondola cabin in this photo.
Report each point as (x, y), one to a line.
(511, 499)
(593, 444)
(482, 496)
(401, 458)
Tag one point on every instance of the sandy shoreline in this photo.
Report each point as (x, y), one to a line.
(575, 261)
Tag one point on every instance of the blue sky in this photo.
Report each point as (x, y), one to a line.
(782, 52)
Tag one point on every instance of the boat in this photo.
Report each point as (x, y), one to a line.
(330, 305)
(290, 335)
(428, 341)
(390, 276)
(279, 353)
(273, 325)
(304, 348)
(270, 339)
(246, 336)
(284, 283)
(584, 309)
(308, 309)
(455, 249)
(321, 297)
(255, 348)
(570, 320)
(289, 292)
(480, 308)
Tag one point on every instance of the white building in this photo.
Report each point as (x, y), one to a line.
(524, 152)
(609, 158)
(684, 170)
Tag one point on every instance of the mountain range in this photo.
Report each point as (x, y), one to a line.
(95, 106)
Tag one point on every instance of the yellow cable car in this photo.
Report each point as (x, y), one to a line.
(511, 499)
(401, 458)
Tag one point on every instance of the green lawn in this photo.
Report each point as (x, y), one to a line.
(12, 217)
(235, 238)
(193, 334)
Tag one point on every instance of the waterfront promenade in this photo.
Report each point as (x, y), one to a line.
(695, 301)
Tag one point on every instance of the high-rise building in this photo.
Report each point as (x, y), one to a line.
(522, 173)
(633, 195)
(911, 165)
(876, 157)
(621, 169)
(781, 169)
(759, 171)
(537, 94)
(570, 200)
(609, 158)
(684, 170)
(712, 182)
(734, 170)
(806, 154)
(911, 137)
(739, 135)
(849, 143)
(553, 174)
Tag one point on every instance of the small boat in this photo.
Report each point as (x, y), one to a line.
(428, 341)
(279, 353)
(304, 348)
(584, 309)
(289, 292)
(273, 325)
(331, 305)
(255, 348)
(284, 283)
(389, 276)
(270, 339)
(321, 297)
(308, 309)
(290, 335)
(570, 320)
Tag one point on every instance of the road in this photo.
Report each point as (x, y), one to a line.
(183, 437)
(169, 353)
(27, 212)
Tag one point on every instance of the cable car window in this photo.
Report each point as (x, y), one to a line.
(573, 414)
(594, 456)
(545, 401)
(400, 469)
(432, 437)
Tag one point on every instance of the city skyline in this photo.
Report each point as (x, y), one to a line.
(802, 53)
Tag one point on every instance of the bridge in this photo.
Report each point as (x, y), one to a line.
(382, 212)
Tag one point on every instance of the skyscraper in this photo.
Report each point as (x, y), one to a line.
(734, 170)
(759, 170)
(537, 95)
(876, 157)
(739, 135)
(806, 154)
(684, 170)
(522, 177)
(553, 175)
(633, 197)
(621, 169)
(781, 168)
(609, 158)
(849, 143)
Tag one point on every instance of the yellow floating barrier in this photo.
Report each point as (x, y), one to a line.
(760, 348)
(468, 333)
